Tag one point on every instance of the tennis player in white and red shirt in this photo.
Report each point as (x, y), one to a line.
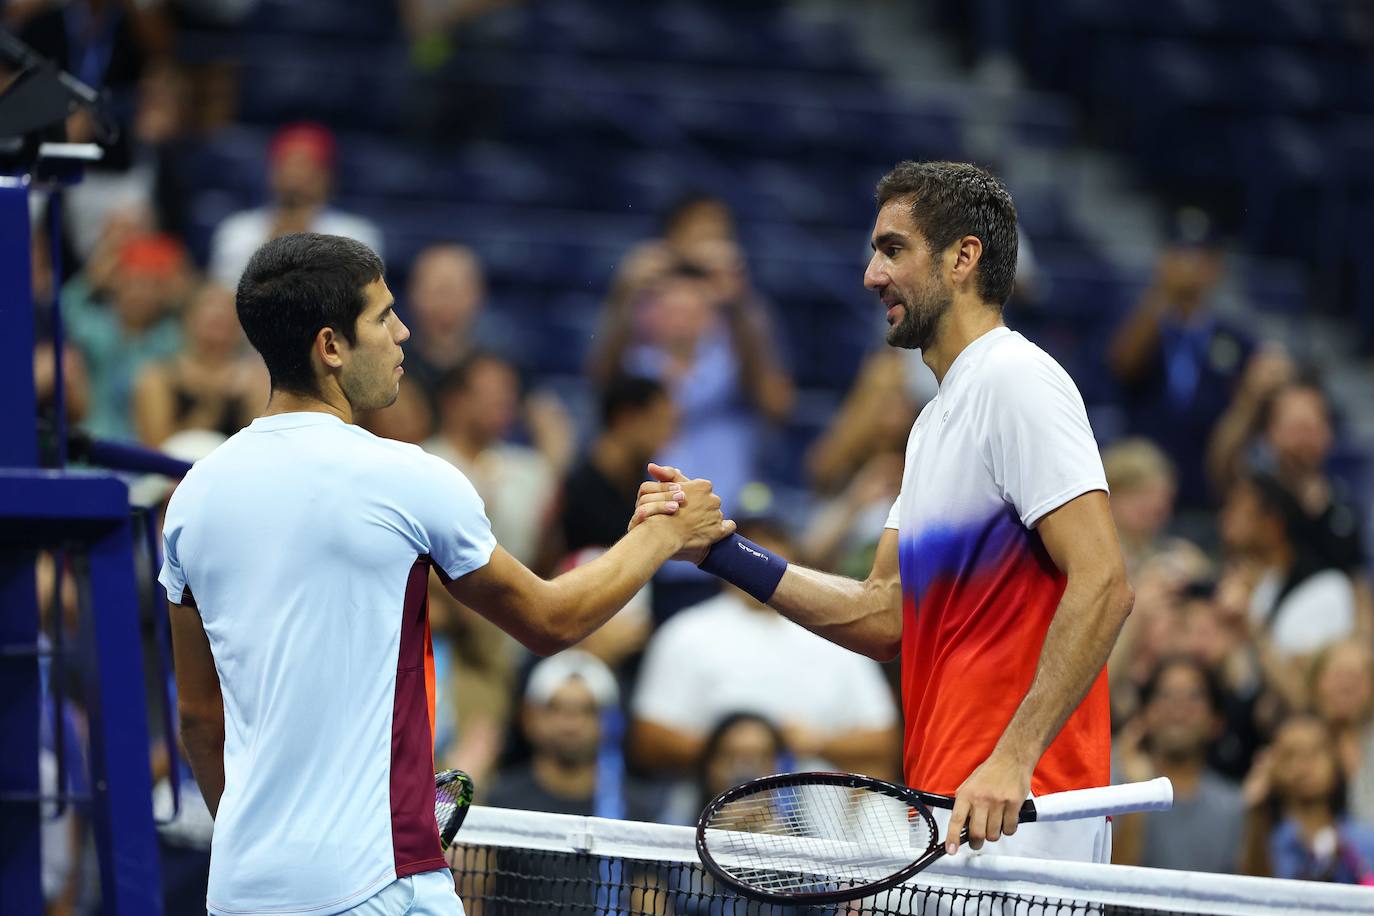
(999, 576)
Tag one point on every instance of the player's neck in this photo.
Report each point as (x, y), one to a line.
(295, 402)
(966, 321)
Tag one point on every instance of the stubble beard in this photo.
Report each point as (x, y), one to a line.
(920, 318)
(371, 388)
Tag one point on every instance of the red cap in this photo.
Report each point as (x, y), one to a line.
(314, 139)
(156, 255)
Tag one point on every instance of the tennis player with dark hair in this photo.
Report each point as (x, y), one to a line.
(297, 556)
(999, 577)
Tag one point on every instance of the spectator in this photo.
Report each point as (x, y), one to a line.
(695, 330)
(1343, 695)
(733, 653)
(717, 359)
(858, 463)
(571, 718)
(576, 766)
(1288, 433)
(1296, 826)
(1151, 632)
(741, 746)
(302, 158)
(694, 219)
(1232, 445)
(136, 329)
(876, 416)
(637, 420)
(1178, 362)
(1297, 604)
(211, 384)
(1143, 484)
(1214, 629)
(1180, 718)
(446, 300)
(479, 402)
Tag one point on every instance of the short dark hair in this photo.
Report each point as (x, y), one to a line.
(626, 393)
(293, 287)
(950, 200)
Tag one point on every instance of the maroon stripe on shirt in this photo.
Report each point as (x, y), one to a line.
(414, 833)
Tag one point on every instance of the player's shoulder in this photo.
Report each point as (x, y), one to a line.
(1011, 363)
(402, 460)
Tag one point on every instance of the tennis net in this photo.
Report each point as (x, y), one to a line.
(519, 862)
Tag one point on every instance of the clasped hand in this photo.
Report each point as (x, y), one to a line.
(690, 505)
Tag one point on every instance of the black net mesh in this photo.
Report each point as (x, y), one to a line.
(504, 881)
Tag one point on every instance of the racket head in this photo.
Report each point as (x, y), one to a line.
(816, 837)
(453, 791)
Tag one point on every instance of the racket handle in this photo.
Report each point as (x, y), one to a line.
(1154, 795)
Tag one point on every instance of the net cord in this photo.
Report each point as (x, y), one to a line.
(1118, 885)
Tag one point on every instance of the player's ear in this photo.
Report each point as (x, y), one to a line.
(328, 346)
(968, 252)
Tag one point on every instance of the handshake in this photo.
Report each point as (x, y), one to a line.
(688, 506)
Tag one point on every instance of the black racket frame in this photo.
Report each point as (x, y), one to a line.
(919, 801)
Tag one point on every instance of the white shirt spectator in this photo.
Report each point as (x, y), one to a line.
(245, 232)
(723, 656)
(1317, 612)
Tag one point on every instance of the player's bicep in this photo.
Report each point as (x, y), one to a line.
(508, 594)
(198, 691)
(1080, 537)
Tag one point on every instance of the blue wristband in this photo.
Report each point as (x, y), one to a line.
(745, 565)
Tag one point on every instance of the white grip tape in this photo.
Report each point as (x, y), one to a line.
(1154, 795)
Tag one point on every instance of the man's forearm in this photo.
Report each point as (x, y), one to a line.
(584, 598)
(203, 743)
(1080, 638)
(864, 617)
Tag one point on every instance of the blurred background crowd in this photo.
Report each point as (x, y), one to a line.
(622, 232)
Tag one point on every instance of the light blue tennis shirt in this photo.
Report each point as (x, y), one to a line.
(306, 544)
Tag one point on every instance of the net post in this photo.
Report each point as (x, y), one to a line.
(20, 821)
(121, 777)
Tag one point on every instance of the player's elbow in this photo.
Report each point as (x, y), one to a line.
(1120, 596)
(198, 721)
(546, 641)
(885, 648)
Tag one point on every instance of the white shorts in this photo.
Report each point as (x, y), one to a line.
(429, 893)
(1087, 840)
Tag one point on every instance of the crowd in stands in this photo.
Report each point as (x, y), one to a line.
(1245, 672)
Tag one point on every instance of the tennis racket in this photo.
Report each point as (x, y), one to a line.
(452, 798)
(831, 837)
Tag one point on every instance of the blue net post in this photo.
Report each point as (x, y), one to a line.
(91, 511)
(19, 681)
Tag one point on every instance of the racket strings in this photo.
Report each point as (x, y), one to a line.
(815, 838)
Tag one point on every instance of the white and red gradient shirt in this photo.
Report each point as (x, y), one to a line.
(305, 543)
(1004, 442)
